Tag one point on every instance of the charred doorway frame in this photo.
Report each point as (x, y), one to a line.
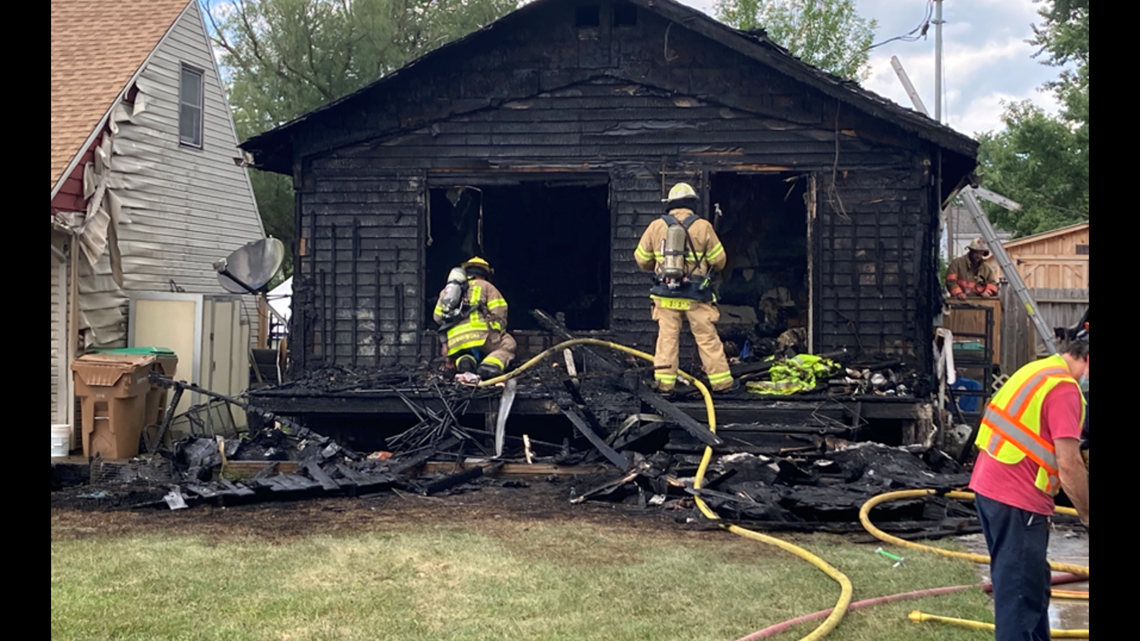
(811, 199)
(447, 178)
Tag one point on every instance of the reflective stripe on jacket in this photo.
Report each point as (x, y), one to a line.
(485, 311)
(1011, 425)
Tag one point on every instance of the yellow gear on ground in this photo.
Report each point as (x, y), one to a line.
(798, 374)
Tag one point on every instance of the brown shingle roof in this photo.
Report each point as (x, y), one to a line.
(96, 47)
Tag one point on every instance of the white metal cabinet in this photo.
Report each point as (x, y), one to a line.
(209, 333)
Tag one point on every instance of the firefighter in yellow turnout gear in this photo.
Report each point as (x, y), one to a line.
(474, 313)
(683, 251)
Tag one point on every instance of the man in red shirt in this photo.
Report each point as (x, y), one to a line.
(1030, 446)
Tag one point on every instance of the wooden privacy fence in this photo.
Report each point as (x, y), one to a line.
(1057, 307)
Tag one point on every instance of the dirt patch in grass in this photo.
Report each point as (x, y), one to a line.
(492, 508)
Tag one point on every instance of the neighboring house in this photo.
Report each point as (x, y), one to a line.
(147, 184)
(546, 142)
(962, 229)
(1057, 259)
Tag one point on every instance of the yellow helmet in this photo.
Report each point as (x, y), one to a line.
(478, 262)
(680, 191)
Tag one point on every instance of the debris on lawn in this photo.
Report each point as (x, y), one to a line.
(810, 473)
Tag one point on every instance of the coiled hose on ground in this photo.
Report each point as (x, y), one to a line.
(916, 616)
(836, 614)
(846, 589)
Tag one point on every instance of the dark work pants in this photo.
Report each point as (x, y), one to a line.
(1018, 542)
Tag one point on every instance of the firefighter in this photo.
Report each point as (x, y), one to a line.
(474, 316)
(970, 275)
(683, 251)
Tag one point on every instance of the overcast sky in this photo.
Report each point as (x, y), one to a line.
(985, 57)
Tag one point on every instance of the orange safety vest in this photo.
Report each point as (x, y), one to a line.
(1011, 425)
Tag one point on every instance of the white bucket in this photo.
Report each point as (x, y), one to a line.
(60, 440)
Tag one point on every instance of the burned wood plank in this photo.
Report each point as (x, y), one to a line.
(234, 488)
(700, 432)
(607, 488)
(278, 484)
(352, 477)
(319, 475)
(203, 491)
(265, 471)
(579, 421)
(405, 464)
(524, 469)
(720, 478)
(451, 480)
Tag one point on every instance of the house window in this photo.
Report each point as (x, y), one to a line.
(190, 107)
(588, 15)
(1082, 250)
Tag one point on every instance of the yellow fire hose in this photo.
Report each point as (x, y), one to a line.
(865, 512)
(844, 583)
(918, 617)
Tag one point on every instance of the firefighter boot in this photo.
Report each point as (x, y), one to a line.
(489, 370)
(466, 364)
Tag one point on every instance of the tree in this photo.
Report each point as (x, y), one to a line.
(284, 58)
(1042, 161)
(828, 34)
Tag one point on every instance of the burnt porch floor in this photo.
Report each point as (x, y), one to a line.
(366, 416)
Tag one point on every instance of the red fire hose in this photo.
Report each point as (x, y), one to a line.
(773, 630)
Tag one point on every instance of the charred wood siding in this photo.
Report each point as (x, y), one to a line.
(875, 265)
(357, 301)
(536, 103)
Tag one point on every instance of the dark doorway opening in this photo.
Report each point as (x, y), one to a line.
(548, 242)
(764, 288)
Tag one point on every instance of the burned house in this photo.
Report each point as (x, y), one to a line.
(546, 141)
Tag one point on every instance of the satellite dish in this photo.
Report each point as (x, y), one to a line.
(249, 269)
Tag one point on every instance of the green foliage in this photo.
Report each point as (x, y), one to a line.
(828, 34)
(284, 58)
(1042, 161)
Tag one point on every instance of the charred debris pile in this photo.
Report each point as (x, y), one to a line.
(629, 446)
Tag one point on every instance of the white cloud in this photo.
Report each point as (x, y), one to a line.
(984, 112)
(964, 67)
(986, 58)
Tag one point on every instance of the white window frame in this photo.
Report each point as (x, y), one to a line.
(201, 73)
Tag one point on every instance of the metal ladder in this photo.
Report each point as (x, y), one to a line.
(969, 196)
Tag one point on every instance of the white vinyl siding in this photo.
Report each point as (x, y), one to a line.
(190, 107)
(184, 207)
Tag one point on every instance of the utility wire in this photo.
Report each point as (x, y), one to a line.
(910, 36)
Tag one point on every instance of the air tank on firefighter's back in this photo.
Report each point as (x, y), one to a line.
(673, 264)
(453, 292)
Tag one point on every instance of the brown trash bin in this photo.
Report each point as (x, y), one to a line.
(113, 390)
(166, 364)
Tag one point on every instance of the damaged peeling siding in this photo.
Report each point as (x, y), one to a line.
(182, 208)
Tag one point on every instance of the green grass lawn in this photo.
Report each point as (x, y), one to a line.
(496, 579)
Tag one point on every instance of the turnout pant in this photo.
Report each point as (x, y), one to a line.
(499, 350)
(1019, 567)
(702, 319)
